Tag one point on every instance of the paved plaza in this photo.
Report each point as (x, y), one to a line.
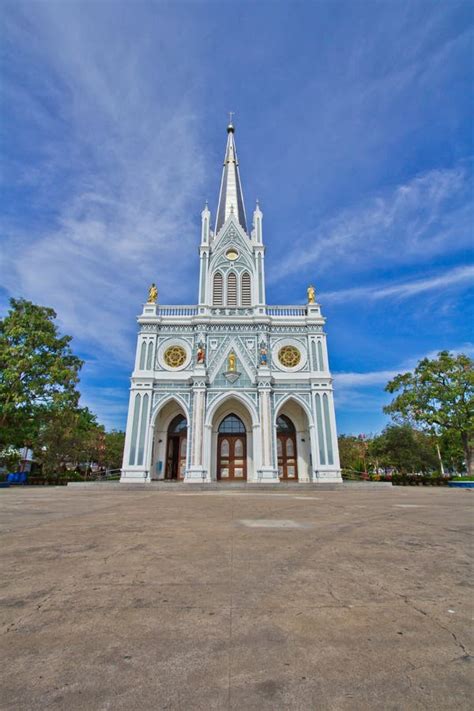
(228, 599)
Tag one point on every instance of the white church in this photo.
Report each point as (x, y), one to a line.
(231, 389)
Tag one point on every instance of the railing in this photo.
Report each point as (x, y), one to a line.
(177, 311)
(276, 311)
(286, 310)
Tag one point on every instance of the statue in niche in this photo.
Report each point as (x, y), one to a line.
(201, 353)
(231, 362)
(263, 354)
(152, 294)
(311, 294)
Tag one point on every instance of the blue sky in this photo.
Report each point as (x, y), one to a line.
(353, 130)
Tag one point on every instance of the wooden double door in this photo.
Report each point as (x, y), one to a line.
(176, 449)
(232, 457)
(286, 449)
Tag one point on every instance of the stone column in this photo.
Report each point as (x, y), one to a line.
(267, 471)
(196, 472)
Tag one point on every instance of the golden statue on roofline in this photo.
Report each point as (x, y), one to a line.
(152, 294)
(311, 294)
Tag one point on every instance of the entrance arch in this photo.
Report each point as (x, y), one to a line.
(232, 449)
(176, 448)
(292, 419)
(170, 442)
(237, 404)
(287, 449)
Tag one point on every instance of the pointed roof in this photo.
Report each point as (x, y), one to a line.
(231, 199)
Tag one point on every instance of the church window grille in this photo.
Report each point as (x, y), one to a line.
(175, 356)
(217, 299)
(289, 356)
(246, 290)
(143, 424)
(136, 416)
(231, 425)
(232, 289)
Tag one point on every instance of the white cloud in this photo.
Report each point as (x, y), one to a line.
(120, 171)
(451, 278)
(429, 215)
(353, 381)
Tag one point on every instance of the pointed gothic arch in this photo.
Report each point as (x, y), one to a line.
(245, 289)
(217, 289)
(232, 296)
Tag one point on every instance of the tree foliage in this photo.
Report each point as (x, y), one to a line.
(113, 449)
(404, 448)
(438, 396)
(38, 371)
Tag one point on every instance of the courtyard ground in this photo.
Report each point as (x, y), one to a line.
(227, 599)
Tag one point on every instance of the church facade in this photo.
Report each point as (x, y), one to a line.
(231, 389)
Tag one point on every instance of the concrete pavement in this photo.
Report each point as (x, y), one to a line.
(186, 599)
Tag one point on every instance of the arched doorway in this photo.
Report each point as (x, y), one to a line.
(286, 449)
(232, 449)
(176, 448)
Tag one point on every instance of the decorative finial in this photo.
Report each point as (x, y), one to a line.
(311, 294)
(230, 127)
(152, 294)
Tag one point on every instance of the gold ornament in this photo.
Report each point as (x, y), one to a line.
(231, 362)
(311, 294)
(289, 356)
(152, 294)
(175, 356)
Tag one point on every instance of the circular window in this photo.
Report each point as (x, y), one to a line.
(289, 356)
(232, 254)
(175, 356)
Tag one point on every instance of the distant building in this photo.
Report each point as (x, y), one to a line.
(231, 389)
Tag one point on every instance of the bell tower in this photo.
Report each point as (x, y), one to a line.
(231, 258)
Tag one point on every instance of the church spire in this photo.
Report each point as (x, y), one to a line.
(231, 198)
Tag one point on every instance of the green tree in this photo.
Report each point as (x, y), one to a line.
(438, 396)
(405, 449)
(353, 452)
(38, 371)
(113, 449)
(67, 438)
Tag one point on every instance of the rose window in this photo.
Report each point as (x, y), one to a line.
(175, 356)
(289, 356)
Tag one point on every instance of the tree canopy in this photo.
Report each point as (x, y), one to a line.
(39, 396)
(438, 397)
(38, 370)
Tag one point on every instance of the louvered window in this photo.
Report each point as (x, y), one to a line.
(246, 294)
(217, 290)
(232, 289)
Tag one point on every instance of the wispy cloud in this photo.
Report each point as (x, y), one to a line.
(430, 215)
(120, 165)
(456, 277)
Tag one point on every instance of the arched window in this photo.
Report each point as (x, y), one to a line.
(232, 289)
(217, 299)
(246, 294)
(231, 425)
(177, 425)
(285, 425)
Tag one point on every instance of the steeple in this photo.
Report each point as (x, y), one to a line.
(231, 198)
